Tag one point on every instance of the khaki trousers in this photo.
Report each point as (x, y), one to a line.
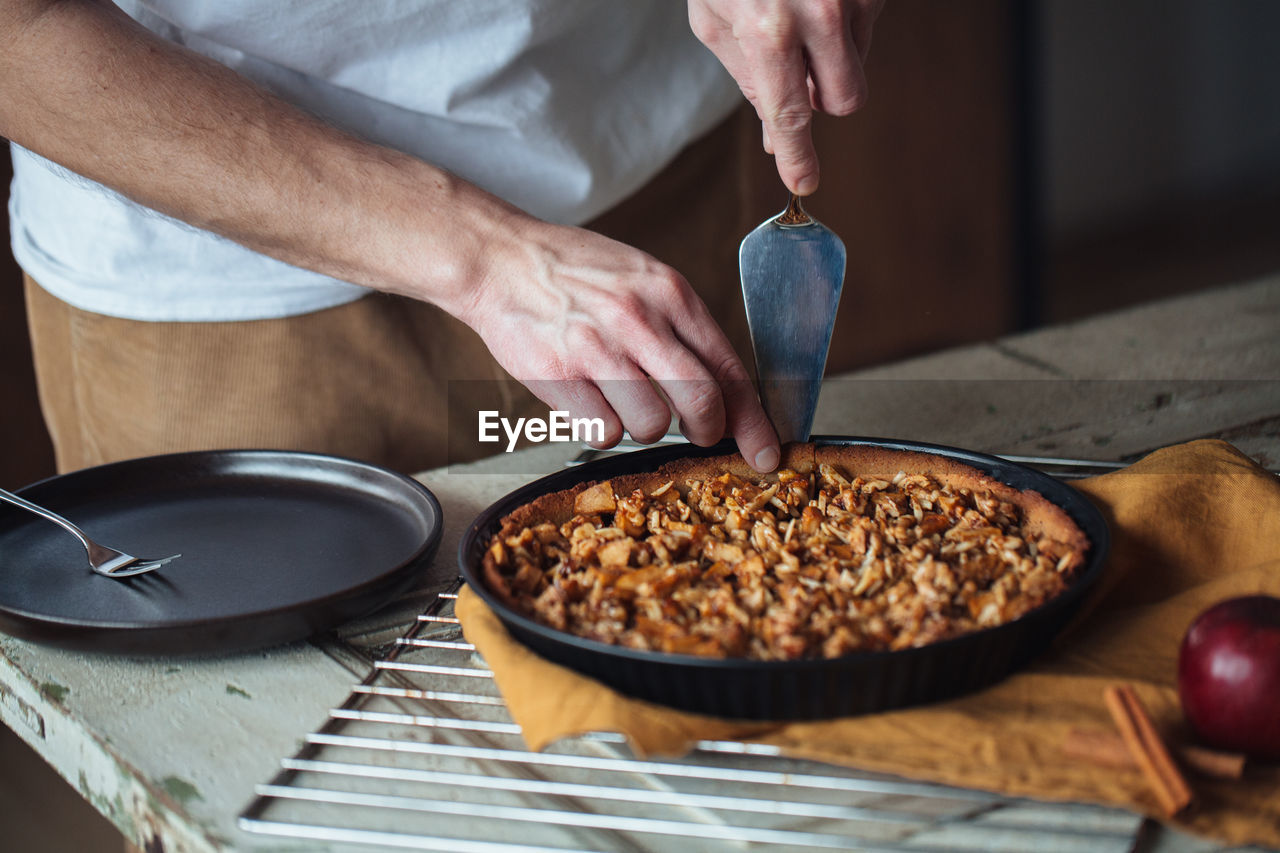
(371, 379)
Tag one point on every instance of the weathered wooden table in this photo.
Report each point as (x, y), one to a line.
(172, 751)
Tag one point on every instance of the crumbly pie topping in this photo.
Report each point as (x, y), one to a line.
(793, 565)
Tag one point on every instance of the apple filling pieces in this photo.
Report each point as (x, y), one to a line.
(844, 549)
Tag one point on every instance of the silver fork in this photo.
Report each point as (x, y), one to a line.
(103, 560)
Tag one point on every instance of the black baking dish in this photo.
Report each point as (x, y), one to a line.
(858, 683)
(276, 545)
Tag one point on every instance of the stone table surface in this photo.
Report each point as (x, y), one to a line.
(170, 750)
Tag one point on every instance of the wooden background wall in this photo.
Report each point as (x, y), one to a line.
(25, 452)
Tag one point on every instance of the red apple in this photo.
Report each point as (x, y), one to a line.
(1229, 675)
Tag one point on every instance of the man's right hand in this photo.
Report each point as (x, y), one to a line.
(585, 322)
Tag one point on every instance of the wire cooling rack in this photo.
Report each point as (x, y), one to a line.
(423, 755)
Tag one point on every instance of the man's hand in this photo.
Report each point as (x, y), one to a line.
(591, 326)
(791, 57)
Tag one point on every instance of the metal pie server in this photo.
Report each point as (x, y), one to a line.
(792, 269)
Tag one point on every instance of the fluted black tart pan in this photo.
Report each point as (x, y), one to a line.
(857, 683)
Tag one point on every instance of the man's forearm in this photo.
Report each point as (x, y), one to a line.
(83, 85)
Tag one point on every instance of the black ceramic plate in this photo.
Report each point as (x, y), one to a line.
(858, 683)
(275, 546)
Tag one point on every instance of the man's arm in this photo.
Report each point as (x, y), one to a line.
(85, 86)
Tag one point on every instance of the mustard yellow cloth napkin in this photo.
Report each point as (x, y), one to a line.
(1191, 525)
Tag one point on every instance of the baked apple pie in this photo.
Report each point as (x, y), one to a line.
(843, 549)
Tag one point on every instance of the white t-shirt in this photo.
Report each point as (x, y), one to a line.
(562, 107)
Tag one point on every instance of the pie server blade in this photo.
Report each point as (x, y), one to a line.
(792, 269)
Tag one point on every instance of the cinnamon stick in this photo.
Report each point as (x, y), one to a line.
(1210, 762)
(1147, 749)
(1104, 749)
(1108, 749)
